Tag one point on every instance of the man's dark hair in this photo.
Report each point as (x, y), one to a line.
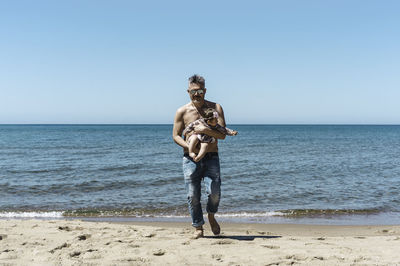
(196, 79)
(208, 113)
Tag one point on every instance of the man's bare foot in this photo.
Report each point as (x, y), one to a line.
(214, 225)
(193, 155)
(198, 233)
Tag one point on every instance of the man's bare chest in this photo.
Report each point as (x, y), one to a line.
(190, 116)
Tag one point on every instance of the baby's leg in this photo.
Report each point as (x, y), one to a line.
(202, 152)
(192, 141)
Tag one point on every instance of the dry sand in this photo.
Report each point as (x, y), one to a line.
(74, 242)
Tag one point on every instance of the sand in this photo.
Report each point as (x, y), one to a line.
(75, 242)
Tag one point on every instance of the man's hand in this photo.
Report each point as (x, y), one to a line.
(200, 129)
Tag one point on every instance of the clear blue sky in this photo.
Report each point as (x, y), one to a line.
(264, 61)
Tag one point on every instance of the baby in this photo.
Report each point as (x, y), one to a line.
(210, 121)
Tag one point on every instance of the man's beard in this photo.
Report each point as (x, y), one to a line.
(197, 99)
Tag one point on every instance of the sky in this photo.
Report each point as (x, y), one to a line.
(265, 62)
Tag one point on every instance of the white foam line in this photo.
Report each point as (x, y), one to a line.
(239, 215)
(60, 214)
(31, 214)
(251, 214)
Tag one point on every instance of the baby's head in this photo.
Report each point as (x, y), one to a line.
(210, 116)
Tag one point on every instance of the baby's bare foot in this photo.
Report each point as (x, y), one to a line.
(192, 154)
(196, 159)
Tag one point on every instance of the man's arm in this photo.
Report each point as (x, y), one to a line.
(212, 132)
(178, 129)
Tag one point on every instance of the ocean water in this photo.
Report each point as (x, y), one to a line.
(330, 174)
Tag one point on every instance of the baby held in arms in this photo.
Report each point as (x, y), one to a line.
(209, 120)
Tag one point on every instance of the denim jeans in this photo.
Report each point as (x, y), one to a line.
(206, 169)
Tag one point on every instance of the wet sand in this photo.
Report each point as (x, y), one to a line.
(75, 242)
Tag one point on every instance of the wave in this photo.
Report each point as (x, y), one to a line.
(326, 212)
(181, 211)
(53, 214)
(40, 171)
(121, 168)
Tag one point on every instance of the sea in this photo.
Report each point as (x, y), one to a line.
(305, 174)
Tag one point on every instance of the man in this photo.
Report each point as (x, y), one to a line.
(208, 167)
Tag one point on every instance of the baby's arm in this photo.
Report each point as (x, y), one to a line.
(225, 130)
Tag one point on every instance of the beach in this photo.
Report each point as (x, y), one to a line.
(77, 242)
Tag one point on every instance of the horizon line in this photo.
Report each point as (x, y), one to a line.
(244, 124)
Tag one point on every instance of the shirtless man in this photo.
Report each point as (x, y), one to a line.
(208, 167)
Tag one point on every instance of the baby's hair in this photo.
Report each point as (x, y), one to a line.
(209, 113)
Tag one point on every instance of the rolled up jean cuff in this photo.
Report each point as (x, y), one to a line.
(198, 224)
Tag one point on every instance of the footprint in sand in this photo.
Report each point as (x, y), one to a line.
(3, 237)
(84, 237)
(64, 228)
(296, 257)
(65, 245)
(137, 259)
(91, 256)
(8, 254)
(222, 242)
(360, 258)
(271, 246)
(275, 263)
(158, 252)
(217, 257)
(341, 258)
(75, 254)
(149, 235)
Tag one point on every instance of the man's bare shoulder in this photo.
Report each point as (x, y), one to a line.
(209, 104)
(213, 105)
(183, 109)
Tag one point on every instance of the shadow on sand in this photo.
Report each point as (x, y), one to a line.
(242, 238)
